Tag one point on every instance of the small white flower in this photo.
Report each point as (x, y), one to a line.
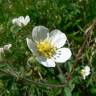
(7, 47)
(21, 21)
(85, 71)
(3, 49)
(47, 47)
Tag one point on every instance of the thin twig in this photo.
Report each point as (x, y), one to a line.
(87, 35)
(34, 82)
(45, 84)
(7, 73)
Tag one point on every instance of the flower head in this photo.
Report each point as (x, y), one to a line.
(3, 49)
(21, 21)
(85, 71)
(48, 47)
(7, 47)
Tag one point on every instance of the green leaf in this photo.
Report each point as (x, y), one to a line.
(67, 91)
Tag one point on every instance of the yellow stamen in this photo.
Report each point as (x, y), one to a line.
(82, 72)
(45, 48)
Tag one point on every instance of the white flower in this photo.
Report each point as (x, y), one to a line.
(7, 47)
(21, 21)
(47, 47)
(3, 49)
(85, 71)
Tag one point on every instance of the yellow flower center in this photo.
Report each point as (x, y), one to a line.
(45, 48)
(82, 72)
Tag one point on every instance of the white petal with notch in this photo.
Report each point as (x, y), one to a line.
(27, 20)
(58, 38)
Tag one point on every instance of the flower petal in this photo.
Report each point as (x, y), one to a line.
(62, 55)
(27, 20)
(46, 62)
(7, 47)
(87, 73)
(14, 21)
(21, 19)
(40, 33)
(1, 50)
(58, 38)
(31, 46)
(87, 68)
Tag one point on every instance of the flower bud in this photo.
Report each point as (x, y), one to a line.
(7, 47)
(31, 60)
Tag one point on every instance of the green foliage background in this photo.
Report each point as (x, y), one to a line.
(73, 17)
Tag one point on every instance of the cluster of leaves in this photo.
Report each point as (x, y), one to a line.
(21, 75)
